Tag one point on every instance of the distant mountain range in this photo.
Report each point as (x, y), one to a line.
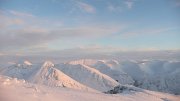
(100, 75)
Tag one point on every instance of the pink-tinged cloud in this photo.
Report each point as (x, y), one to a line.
(86, 7)
(20, 14)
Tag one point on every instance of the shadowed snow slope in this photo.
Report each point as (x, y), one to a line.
(12, 89)
(132, 69)
(109, 68)
(88, 76)
(161, 76)
(156, 75)
(23, 70)
(124, 89)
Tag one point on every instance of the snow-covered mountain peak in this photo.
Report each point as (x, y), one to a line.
(112, 62)
(100, 61)
(49, 75)
(23, 64)
(48, 64)
(89, 76)
(83, 61)
(27, 63)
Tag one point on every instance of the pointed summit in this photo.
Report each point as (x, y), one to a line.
(48, 64)
(49, 75)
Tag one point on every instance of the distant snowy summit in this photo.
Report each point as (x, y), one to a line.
(48, 64)
(24, 64)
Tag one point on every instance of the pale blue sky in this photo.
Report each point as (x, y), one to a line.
(47, 25)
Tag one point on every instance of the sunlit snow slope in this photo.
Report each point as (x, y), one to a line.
(88, 76)
(45, 74)
(12, 89)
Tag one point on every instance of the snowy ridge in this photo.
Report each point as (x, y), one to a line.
(48, 64)
(45, 74)
(109, 68)
(32, 92)
(27, 63)
(89, 76)
(112, 63)
(162, 76)
(23, 70)
(24, 64)
(51, 76)
(156, 75)
(83, 61)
